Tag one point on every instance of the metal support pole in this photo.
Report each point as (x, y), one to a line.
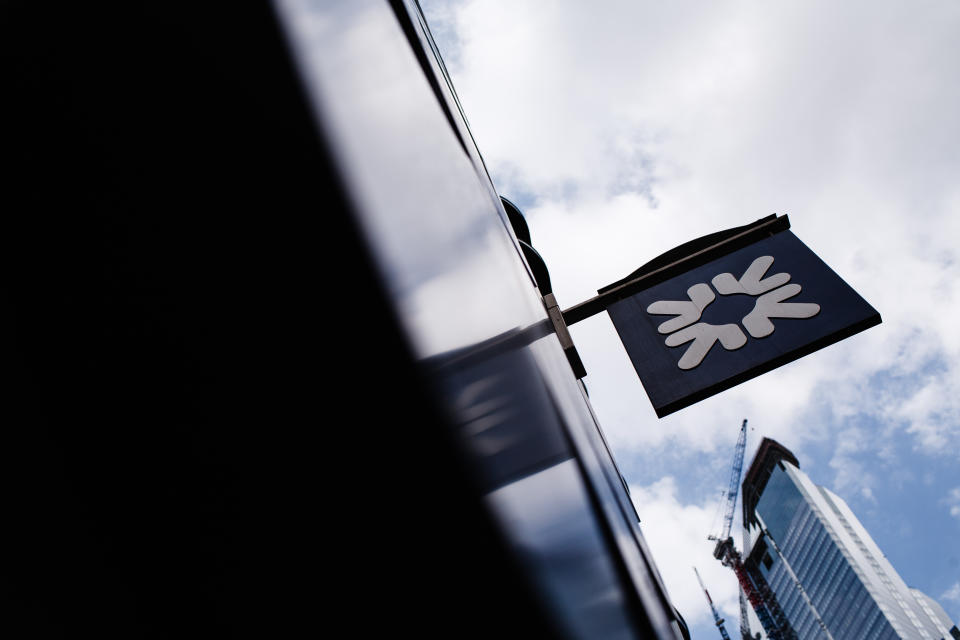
(683, 258)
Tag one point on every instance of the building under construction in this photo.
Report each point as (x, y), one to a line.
(813, 570)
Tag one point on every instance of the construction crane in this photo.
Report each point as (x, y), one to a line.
(716, 616)
(727, 553)
(733, 487)
(745, 632)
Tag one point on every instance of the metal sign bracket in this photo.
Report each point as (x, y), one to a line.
(560, 326)
(683, 258)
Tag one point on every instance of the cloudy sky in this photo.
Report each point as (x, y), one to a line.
(624, 128)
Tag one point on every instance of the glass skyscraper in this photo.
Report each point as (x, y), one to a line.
(822, 575)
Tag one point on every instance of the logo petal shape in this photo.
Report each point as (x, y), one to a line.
(771, 305)
(751, 282)
(704, 336)
(687, 311)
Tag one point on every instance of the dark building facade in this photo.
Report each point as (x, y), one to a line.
(281, 357)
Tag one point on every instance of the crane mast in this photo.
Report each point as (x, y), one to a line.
(769, 614)
(733, 487)
(730, 557)
(716, 616)
(745, 633)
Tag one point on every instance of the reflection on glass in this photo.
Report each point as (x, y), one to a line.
(557, 536)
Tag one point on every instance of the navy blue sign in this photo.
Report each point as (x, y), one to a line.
(734, 318)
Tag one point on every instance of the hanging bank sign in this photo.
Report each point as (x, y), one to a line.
(725, 308)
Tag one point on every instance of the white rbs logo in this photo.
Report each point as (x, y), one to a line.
(770, 294)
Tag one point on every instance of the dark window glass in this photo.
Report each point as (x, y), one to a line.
(779, 504)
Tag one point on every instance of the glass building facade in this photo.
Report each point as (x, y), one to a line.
(823, 570)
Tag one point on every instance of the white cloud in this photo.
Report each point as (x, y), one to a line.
(640, 125)
(953, 502)
(677, 536)
(625, 128)
(852, 475)
(952, 594)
